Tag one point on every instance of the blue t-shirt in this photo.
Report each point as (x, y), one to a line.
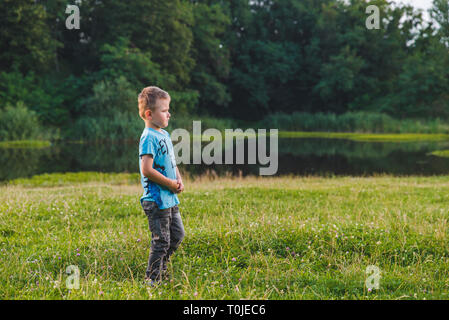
(160, 146)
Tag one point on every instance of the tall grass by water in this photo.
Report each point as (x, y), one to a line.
(128, 126)
(353, 122)
(256, 238)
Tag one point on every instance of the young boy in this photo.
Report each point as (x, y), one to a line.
(161, 182)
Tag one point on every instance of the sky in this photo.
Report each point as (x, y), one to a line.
(419, 4)
(422, 4)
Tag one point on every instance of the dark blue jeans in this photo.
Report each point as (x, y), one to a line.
(167, 233)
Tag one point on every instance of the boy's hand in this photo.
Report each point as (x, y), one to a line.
(174, 186)
(180, 186)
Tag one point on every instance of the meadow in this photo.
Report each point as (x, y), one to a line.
(246, 238)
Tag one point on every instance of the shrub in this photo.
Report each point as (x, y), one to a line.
(46, 96)
(122, 126)
(111, 97)
(19, 123)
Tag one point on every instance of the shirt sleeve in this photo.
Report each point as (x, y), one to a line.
(147, 146)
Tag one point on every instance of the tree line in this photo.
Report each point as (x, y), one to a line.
(239, 59)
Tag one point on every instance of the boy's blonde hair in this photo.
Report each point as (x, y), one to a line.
(148, 98)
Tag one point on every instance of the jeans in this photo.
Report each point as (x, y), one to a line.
(167, 233)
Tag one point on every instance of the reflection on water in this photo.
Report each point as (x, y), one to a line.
(296, 156)
(346, 157)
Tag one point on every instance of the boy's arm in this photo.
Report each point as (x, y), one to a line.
(179, 180)
(155, 176)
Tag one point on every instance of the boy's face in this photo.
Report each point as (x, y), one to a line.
(160, 116)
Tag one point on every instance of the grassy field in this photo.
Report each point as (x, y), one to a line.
(256, 238)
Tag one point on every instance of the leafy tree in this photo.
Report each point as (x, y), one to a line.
(440, 13)
(241, 59)
(268, 43)
(211, 55)
(25, 38)
(43, 95)
(121, 59)
(423, 85)
(338, 78)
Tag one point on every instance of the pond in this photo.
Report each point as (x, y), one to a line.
(299, 156)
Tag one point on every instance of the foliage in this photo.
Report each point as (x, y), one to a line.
(229, 59)
(19, 123)
(26, 40)
(111, 97)
(117, 126)
(211, 23)
(440, 13)
(43, 95)
(122, 60)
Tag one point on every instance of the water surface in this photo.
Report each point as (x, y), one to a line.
(299, 156)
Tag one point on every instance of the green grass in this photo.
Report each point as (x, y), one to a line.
(373, 137)
(71, 178)
(25, 144)
(440, 153)
(256, 238)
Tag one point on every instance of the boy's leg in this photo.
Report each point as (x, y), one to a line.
(177, 233)
(159, 223)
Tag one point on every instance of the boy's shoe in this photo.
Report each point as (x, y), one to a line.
(152, 283)
(166, 275)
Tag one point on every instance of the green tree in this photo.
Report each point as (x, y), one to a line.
(25, 38)
(267, 42)
(211, 55)
(423, 85)
(440, 13)
(338, 78)
(121, 59)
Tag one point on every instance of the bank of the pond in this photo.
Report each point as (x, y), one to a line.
(25, 144)
(367, 137)
(355, 136)
(246, 238)
(440, 153)
(363, 137)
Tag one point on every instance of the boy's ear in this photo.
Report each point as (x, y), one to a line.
(147, 113)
